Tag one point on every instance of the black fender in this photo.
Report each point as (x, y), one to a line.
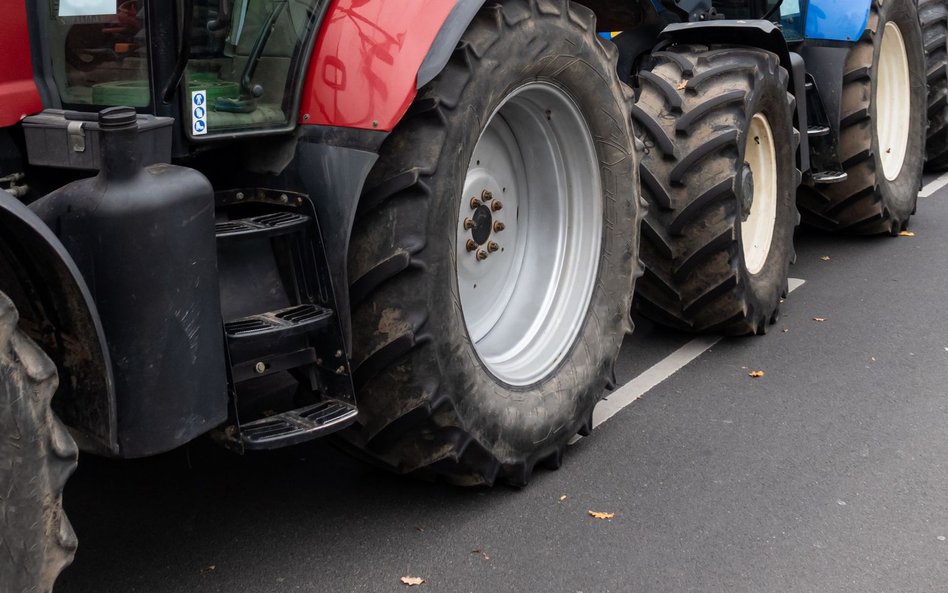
(762, 34)
(57, 311)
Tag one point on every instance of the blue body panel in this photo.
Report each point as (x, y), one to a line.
(836, 20)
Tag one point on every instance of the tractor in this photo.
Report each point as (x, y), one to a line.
(413, 226)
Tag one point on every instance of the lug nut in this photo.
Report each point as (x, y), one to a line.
(475, 203)
(487, 196)
(492, 246)
(471, 245)
(496, 205)
(468, 224)
(481, 255)
(499, 226)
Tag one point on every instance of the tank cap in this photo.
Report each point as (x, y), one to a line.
(113, 118)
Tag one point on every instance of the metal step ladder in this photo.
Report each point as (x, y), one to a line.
(279, 317)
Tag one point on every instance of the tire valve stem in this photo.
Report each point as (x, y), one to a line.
(481, 255)
(468, 224)
(499, 226)
(471, 245)
(492, 246)
(475, 203)
(496, 205)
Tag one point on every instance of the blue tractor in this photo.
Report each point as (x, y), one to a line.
(750, 112)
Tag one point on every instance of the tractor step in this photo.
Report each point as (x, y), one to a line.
(827, 177)
(816, 131)
(297, 426)
(285, 322)
(270, 224)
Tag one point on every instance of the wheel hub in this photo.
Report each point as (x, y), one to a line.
(747, 191)
(529, 233)
(759, 187)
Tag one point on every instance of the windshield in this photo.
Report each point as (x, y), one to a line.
(245, 62)
(99, 52)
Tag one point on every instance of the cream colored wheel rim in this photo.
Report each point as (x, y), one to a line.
(757, 230)
(892, 101)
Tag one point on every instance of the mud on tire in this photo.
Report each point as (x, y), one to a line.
(37, 455)
(429, 404)
(694, 115)
(872, 200)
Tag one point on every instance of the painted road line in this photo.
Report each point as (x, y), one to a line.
(933, 186)
(657, 373)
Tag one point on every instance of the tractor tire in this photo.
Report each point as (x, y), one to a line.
(37, 456)
(494, 252)
(933, 16)
(719, 174)
(882, 129)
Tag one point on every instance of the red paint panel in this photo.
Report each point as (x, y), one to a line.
(18, 94)
(364, 68)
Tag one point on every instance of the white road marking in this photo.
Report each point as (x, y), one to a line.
(665, 368)
(933, 186)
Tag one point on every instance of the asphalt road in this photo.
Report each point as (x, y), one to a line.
(827, 474)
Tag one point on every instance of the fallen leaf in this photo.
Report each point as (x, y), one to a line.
(482, 553)
(562, 498)
(600, 515)
(825, 257)
(906, 234)
(681, 85)
(209, 568)
(419, 529)
(755, 374)
(819, 319)
(412, 581)
(785, 330)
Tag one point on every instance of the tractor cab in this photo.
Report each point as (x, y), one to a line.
(241, 61)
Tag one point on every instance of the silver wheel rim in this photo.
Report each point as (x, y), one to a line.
(892, 101)
(757, 230)
(529, 233)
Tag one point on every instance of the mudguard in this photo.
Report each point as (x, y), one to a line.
(44, 282)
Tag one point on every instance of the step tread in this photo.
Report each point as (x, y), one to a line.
(290, 320)
(296, 426)
(272, 223)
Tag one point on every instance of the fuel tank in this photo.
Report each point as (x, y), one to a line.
(143, 238)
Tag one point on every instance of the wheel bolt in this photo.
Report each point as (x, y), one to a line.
(468, 224)
(499, 226)
(496, 205)
(471, 245)
(487, 196)
(481, 255)
(492, 246)
(475, 203)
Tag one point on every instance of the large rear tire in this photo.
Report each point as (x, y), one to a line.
(882, 128)
(720, 178)
(37, 456)
(494, 252)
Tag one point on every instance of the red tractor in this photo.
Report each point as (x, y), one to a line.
(413, 225)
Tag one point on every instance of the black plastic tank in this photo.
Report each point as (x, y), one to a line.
(144, 240)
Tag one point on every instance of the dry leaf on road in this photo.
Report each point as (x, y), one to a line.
(562, 498)
(755, 374)
(906, 234)
(825, 257)
(600, 515)
(412, 581)
(482, 553)
(819, 319)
